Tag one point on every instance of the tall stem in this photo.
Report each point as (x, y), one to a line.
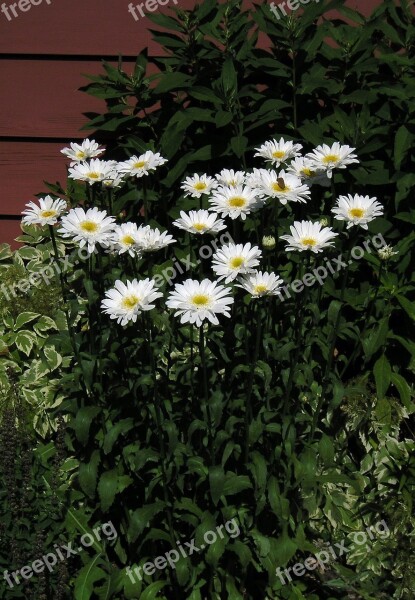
(206, 392)
(160, 432)
(254, 359)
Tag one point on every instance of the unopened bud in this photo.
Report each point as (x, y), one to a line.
(268, 242)
(324, 222)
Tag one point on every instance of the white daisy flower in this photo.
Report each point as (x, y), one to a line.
(261, 284)
(88, 228)
(235, 259)
(235, 202)
(82, 152)
(357, 210)
(306, 235)
(305, 169)
(137, 166)
(199, 222)
(278, 152)
(198, 184)
(150, 240)
(93, 171)
(230, 178)
(46, 213)
(332, 157)
(115, 180)
(254, 180)
(126, 238)
(125, 301)
(284, 186)
(196, 301)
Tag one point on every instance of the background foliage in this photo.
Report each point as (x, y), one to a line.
(215, 96)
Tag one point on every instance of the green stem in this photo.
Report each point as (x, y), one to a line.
(206, 392)
(332, 345)
(254, 359)
(160, 432)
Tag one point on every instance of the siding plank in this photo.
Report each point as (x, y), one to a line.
(23, 168)
(44, 98)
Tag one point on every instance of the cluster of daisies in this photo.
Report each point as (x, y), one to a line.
(230, 194)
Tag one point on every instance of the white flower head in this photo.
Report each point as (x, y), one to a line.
(88, 228)
(46, 213)
(82, 152)
(261, 284)
(232, 260)
(254, 180)
(306, 170)
(114, 180)
(306, 235)
(230, 178)
(357, 210)
(125, 301)
(196, 301)
(386, 253)
(332, 157)
(199, 222)
(197, 185)
(278, 152)
(235, 202)
(284, 186)
(137, 166)
(126, 238)
(94, 171)
(150, 240)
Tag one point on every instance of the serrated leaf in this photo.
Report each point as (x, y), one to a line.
(23, 318)
(25, 340)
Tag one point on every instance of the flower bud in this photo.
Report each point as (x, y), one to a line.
(268, 242)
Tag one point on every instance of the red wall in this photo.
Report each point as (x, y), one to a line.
(43, 54)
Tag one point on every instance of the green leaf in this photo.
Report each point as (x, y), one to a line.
(141, 517)
(88, 474)
(83, 420)
(226, 485)
(382, 372)
(25, 340)
(54, 359)
(403, 142)
(151, 591)
(24, 318)
(404, 391)
(229, 77)
(87, 577)
(107, 488)
(408, 306)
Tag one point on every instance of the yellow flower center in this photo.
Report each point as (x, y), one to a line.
(199, 186)
(89, 226)
(80, 154)
(356, 212)
(130, 302)
(139, 165)
(232, 183)
(199, 226)
(48, 213)
(308, 172)
(309, 241)
(128, 239)
(236, 262)
(260, 289)
(277, 188)
(278, 154)
(237, 202)
(200, 300)
(93, 175)
(331, 158)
